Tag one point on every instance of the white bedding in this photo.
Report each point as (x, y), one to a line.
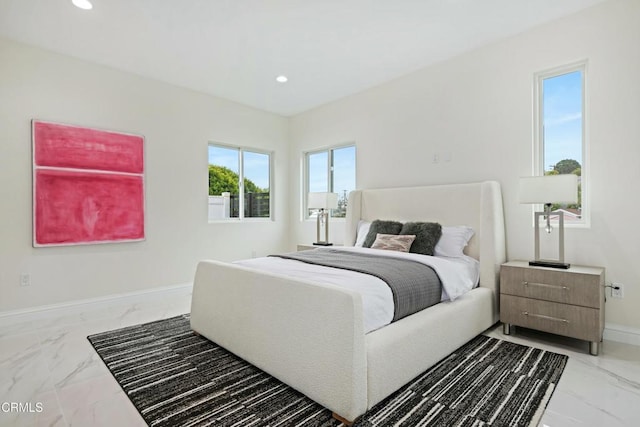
(458, 275)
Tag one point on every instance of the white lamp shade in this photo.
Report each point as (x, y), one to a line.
(322, 201)
(549, 189)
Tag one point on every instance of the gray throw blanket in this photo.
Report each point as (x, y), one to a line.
(415, 286)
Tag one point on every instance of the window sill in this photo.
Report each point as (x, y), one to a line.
(555, 225)
(239, 221)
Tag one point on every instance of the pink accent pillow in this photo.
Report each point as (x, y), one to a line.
(393, 242)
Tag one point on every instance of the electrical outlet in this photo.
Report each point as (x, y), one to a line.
(619, 292)
(25, 279)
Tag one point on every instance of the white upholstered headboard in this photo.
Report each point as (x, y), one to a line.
(478, 205)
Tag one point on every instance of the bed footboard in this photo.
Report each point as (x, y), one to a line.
(273, 321)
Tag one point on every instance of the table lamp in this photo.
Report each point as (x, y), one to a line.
(324, 202)
(547, 190)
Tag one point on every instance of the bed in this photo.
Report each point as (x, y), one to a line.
(311, 335)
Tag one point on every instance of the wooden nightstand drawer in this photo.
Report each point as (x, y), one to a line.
(583, 289)
(568, 320)
(564, 302)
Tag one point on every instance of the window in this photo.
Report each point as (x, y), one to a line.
(560, 131)
(332, 170)
(239, 183)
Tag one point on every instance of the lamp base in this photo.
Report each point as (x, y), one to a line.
(322, 244)
(551, 264)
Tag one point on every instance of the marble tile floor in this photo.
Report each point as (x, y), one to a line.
(51, 363)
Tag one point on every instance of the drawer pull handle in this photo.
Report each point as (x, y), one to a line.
(544, 285)
(542, 316)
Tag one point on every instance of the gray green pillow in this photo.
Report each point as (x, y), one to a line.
(427, 236)
(382, 227)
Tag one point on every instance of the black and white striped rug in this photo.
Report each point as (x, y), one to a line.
(176, 378)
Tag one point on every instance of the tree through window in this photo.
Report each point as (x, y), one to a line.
(239, 183)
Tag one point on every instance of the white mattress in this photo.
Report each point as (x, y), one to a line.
(458, 275)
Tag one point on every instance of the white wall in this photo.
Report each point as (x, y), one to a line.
(177, 125)
(478, 107)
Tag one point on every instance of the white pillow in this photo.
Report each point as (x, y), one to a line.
(361, 234)
(453, 241)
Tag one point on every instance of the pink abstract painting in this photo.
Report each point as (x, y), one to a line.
(88, 185)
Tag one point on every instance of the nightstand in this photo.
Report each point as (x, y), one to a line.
(306, 247)
(564, 302)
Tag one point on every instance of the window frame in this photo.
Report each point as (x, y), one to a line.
(304, 214)
(241, 149)
(538, 135)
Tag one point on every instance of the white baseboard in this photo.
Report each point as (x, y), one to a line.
(77, 306)
(622, 333)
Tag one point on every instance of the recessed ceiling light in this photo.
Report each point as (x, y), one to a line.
(82, 4)
(281, 79)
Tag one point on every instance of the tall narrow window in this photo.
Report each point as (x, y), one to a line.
(560, 131)
(332, 170)
(239, 183)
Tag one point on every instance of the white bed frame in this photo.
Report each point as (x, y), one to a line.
(310, 335)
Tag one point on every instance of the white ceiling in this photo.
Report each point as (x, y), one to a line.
(235, 48)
